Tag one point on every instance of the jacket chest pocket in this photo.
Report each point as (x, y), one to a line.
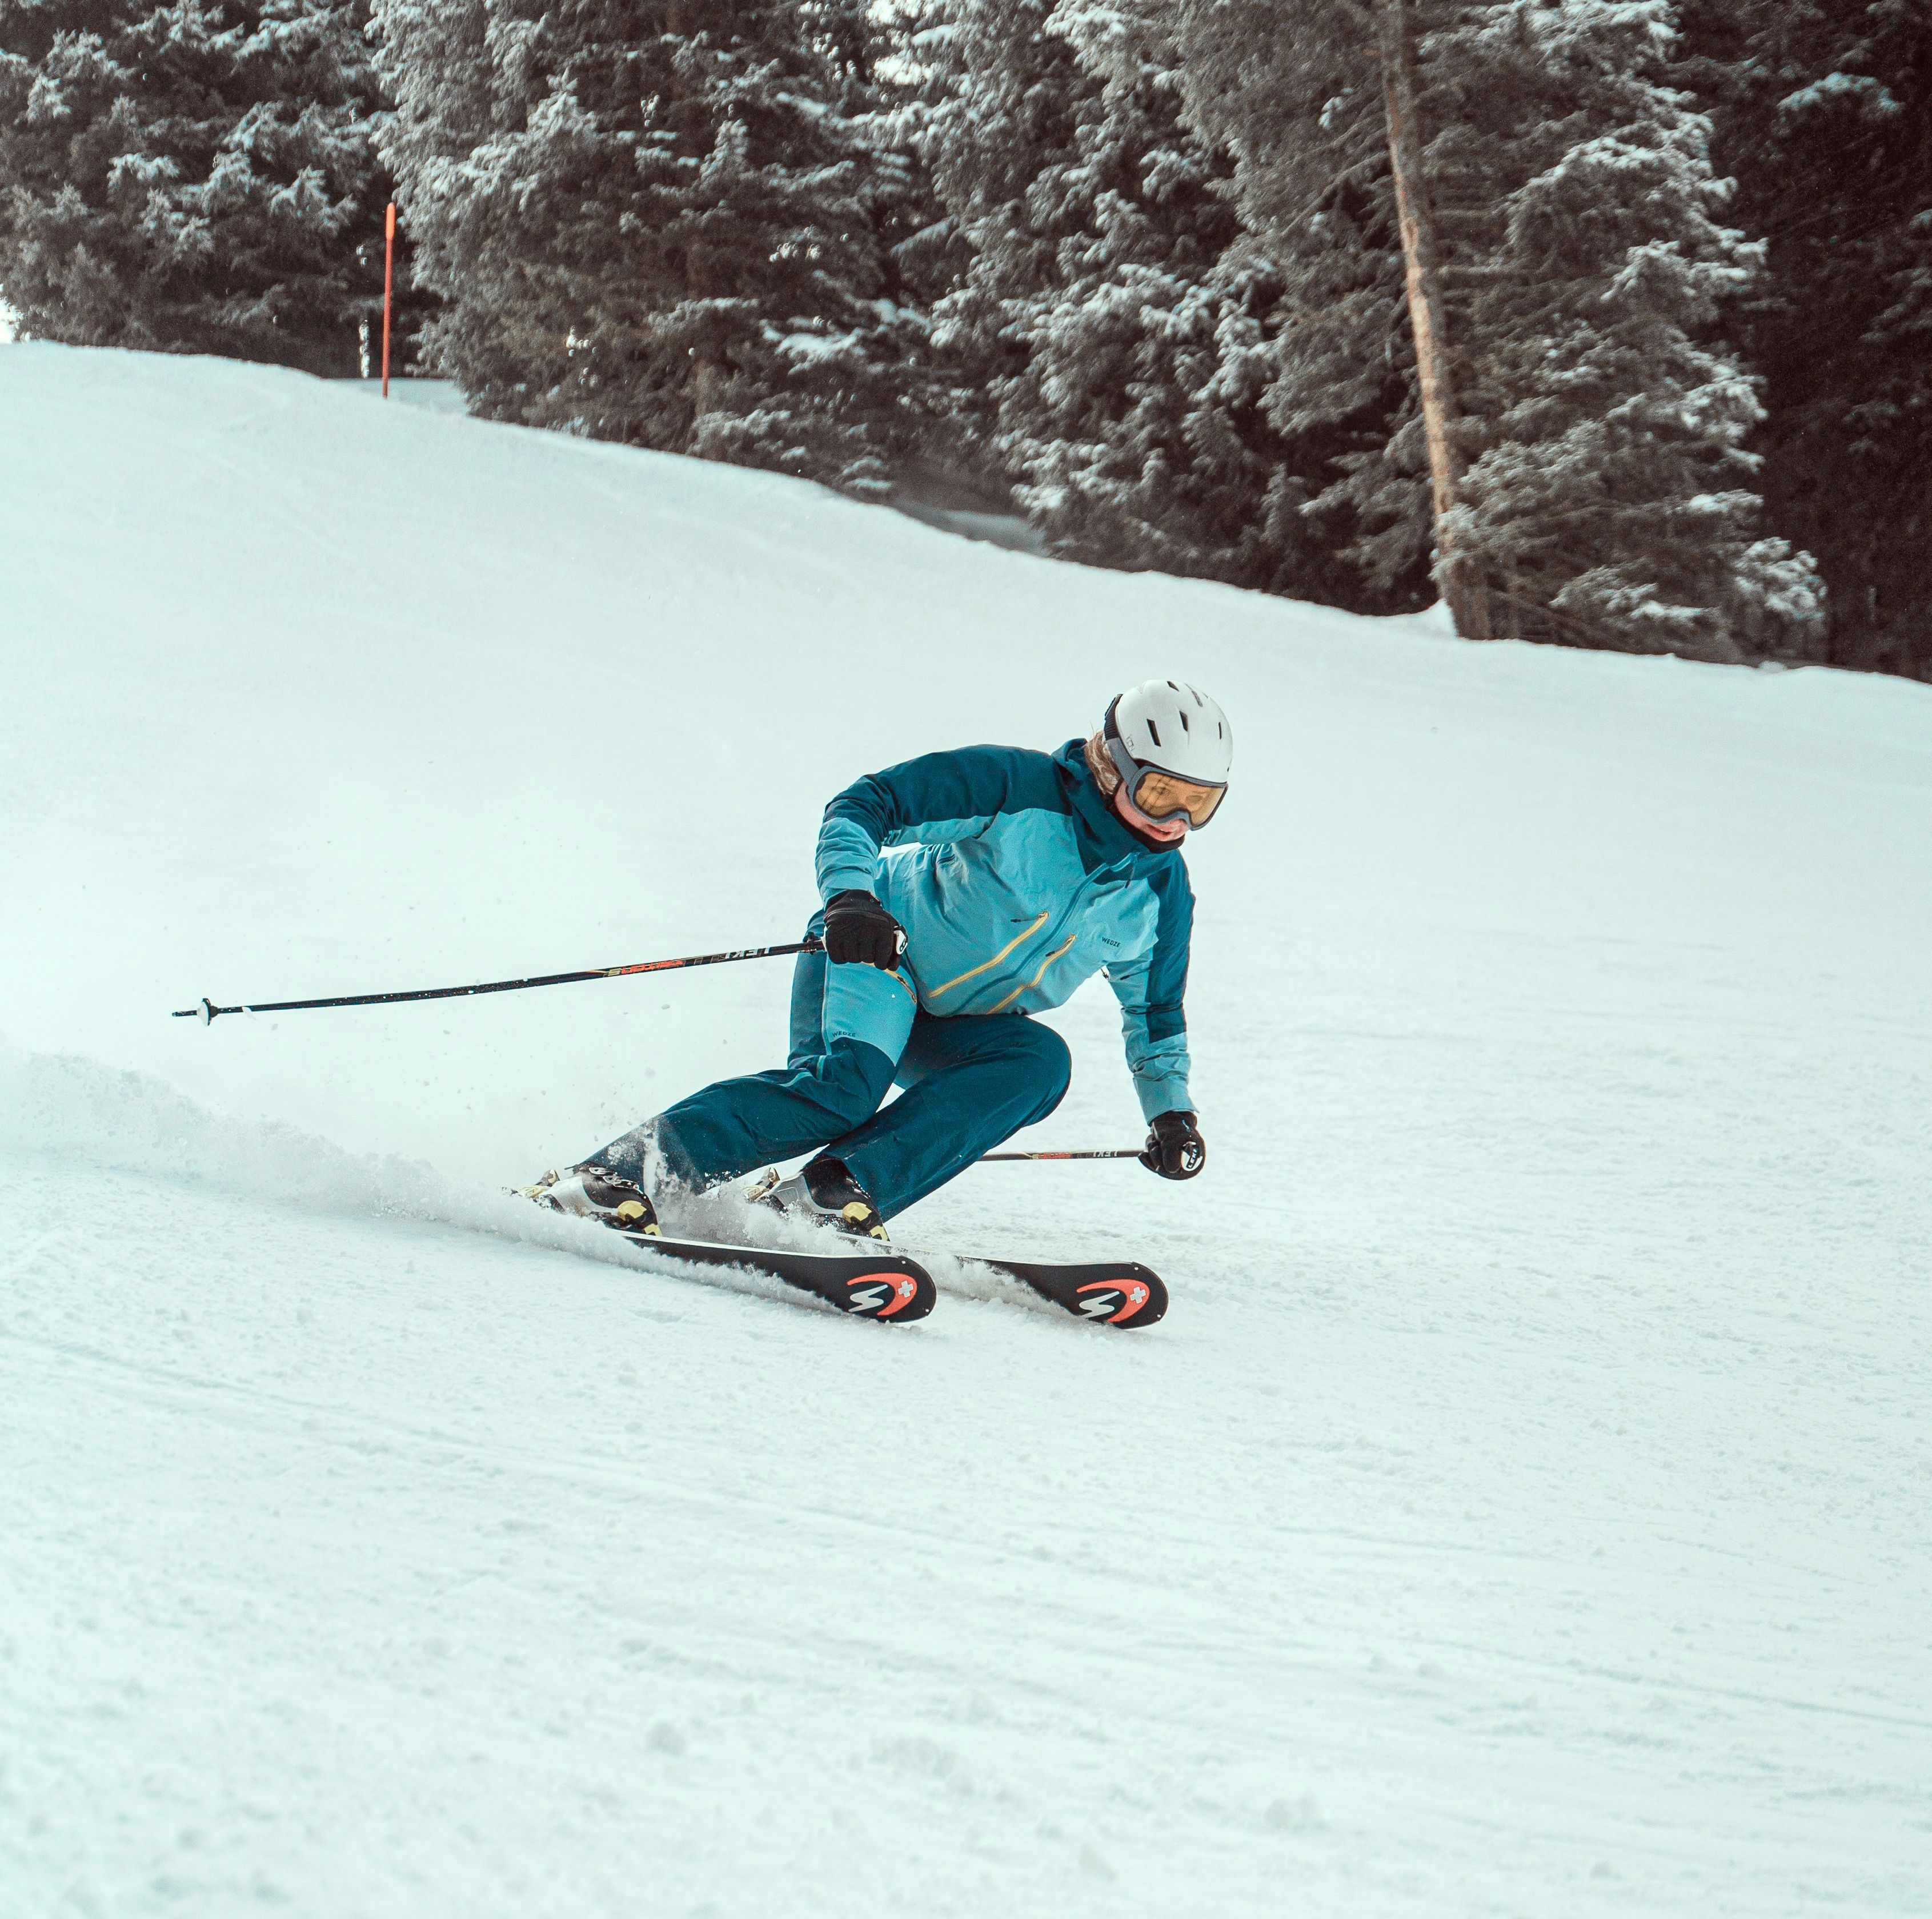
(1032, 972)
(1024, 933)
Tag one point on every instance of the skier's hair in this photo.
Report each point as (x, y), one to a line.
(1100, 764)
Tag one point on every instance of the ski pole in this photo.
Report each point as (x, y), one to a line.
(209, 1012)
(1121, 1153)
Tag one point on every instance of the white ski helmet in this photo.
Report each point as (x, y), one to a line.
(1172, 746)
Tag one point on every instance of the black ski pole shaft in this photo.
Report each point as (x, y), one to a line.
(1118, 1153)
(209, 1011)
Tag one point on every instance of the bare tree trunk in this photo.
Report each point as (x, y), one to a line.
(705, 386)
(1460, 577)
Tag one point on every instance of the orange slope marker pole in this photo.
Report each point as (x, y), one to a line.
(388, 283)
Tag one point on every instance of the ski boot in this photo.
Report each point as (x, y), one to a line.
(592, 1192)
(824, 1192)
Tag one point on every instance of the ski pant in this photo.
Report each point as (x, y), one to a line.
(970, 1082)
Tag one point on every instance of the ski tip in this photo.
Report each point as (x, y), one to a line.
(1113, 1292)
(1133, 1298)
(867, 1284)
(899, 1294)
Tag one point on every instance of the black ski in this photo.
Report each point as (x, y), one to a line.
(1110, 1292)
(871, 1285)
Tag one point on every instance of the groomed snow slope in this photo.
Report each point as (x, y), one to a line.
(1523, 1510)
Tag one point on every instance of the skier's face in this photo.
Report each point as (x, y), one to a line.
(1169, 832)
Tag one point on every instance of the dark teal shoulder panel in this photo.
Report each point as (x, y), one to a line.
(1167, 972)
(969, 782)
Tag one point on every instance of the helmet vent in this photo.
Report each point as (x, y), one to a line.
(1185, 726)
(1155, 730)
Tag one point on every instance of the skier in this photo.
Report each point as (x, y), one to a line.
(1026, 874)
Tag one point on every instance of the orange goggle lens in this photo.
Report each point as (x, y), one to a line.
(1160, 797)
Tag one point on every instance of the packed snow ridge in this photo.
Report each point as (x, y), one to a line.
(1522, 1509)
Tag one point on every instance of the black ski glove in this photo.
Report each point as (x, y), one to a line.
(1175, 1150)
(860, 930)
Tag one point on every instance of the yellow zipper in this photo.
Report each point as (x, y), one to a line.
(1019, 939)
(1037, 977)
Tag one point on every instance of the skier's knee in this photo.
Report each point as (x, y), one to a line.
(851, 1079)
(1050, 1066)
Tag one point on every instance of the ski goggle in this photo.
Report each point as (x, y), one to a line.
(1160, 797)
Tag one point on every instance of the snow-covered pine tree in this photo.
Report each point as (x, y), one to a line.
(1602, 418)
(1614, 487)
(1823, 111)
(997, 106)
(664, 222)
(1120, 330)
(1297, 96)
(196, 176)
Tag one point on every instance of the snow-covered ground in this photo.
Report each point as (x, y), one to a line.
(1525, 1509)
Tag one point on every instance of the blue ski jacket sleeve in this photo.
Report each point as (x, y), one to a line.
(1151, 988)
(932, 801)
(1016, 883)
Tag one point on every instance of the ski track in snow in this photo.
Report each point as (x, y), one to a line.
(1523, 1509)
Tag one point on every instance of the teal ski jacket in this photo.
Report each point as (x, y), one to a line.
(1016, 882)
